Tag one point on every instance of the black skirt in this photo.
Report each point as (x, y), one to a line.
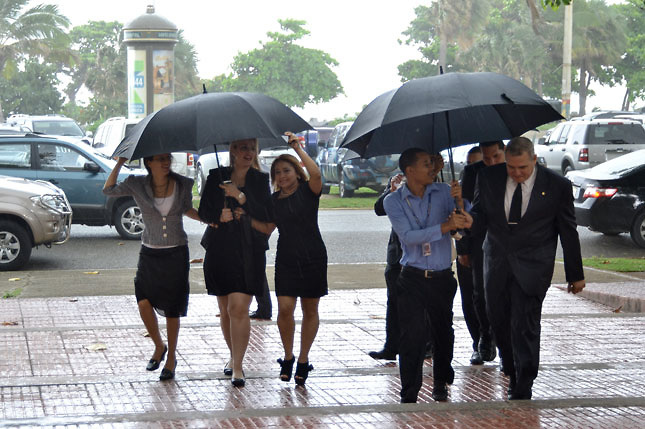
(162, 279)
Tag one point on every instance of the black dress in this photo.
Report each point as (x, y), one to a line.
(301, 257)
(235, 259)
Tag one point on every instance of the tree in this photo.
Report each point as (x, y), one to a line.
(282, 69)
(101, 68)
(35, 32)
(32, 91)
(631, 67)
(187, 81)
(440, 31)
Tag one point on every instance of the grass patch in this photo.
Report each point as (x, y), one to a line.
(622, 265)
(364, 198)
(13, 293)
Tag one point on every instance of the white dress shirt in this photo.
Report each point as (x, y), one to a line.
(527, 188)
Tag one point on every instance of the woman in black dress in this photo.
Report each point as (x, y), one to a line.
(235, 261)
(161, 282)
(301, 257)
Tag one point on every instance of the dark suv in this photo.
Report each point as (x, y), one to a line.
(80, 172)
(351, 174)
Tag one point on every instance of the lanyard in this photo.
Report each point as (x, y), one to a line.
(414, 214)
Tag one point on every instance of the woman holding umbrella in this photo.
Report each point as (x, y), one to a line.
(301, 258)
(235, 260)
(161, 282)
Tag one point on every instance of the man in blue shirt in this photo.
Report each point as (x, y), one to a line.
(422, 214)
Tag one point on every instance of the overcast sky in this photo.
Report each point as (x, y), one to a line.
(362, 35)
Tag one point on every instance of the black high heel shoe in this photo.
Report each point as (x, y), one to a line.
(286, 368)
(153, 363)
(167, 374)
(228, 371)
(302, 372)
(238, 382)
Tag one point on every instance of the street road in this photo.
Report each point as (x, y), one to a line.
(351, 236)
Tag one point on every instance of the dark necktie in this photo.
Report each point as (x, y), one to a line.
(515, 214)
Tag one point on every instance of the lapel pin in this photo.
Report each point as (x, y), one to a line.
(543, 193)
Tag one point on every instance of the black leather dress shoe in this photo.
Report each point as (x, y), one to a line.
(167, 374)
(440, 392)
(518, 396)
(487, 349)
(259, 316)
(239, 382)
(153, 364)
(383, 354)
(476, 358)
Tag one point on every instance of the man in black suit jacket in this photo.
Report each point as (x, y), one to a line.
(524, 208)
(470, 262)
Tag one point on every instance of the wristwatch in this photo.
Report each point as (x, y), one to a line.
(240, 196)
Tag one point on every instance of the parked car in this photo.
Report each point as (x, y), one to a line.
(580, 144)
(80, 172)
(110, 133)
(351, 174)
(610, 198)
(7, 129)
(53, 125)
(459, 161)
(31, 213)
(207, 162)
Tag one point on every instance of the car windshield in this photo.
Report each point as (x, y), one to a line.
(58, 128)
(622, 165)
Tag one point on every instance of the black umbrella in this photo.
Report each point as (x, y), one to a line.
(452, 109)
(198, 123)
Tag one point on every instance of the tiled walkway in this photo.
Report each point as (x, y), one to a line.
(592, 371)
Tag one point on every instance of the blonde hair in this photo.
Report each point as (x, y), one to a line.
(234, 144)
(290, 159)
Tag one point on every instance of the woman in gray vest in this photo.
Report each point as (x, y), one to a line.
(161, 282)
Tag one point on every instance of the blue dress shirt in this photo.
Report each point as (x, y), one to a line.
(418, 220)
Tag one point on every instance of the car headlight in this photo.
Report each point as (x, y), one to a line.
(52, 202)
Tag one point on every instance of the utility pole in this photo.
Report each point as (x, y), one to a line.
(566, 60)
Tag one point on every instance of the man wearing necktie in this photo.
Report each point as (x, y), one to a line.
(524, 208)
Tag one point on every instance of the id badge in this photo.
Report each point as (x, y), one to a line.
(427, 250)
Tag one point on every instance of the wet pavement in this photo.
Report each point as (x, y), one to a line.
(79, 361)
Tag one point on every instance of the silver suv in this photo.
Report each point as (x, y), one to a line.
(31, 213)
(580, 144)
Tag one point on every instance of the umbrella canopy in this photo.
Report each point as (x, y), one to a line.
(435, 113)
(198, 123)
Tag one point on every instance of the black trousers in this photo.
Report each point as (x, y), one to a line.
(479, 296)
(465, 277)
(392, 331)
(515, 319)
(416, 296)
(264, 300)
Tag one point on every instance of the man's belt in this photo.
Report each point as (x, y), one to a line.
(428, 274)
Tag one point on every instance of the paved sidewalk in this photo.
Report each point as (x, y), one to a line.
(79, 361)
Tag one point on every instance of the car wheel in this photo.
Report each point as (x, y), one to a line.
(201, 180)
(128, 221)
(566, 167)
(343, 192)
(15, 246)
(638, 229)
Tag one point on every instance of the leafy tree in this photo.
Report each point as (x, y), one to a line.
(32, 91)
(281, 68)
(187, 81)
(35, 32)
(440, 31)
(631, 67)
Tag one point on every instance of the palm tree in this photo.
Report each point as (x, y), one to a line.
(38, 31)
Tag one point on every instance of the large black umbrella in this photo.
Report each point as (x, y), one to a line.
(198, 123)
(452, 109)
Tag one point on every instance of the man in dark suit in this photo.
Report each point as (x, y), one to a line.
(470, 262)
(524, 208)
